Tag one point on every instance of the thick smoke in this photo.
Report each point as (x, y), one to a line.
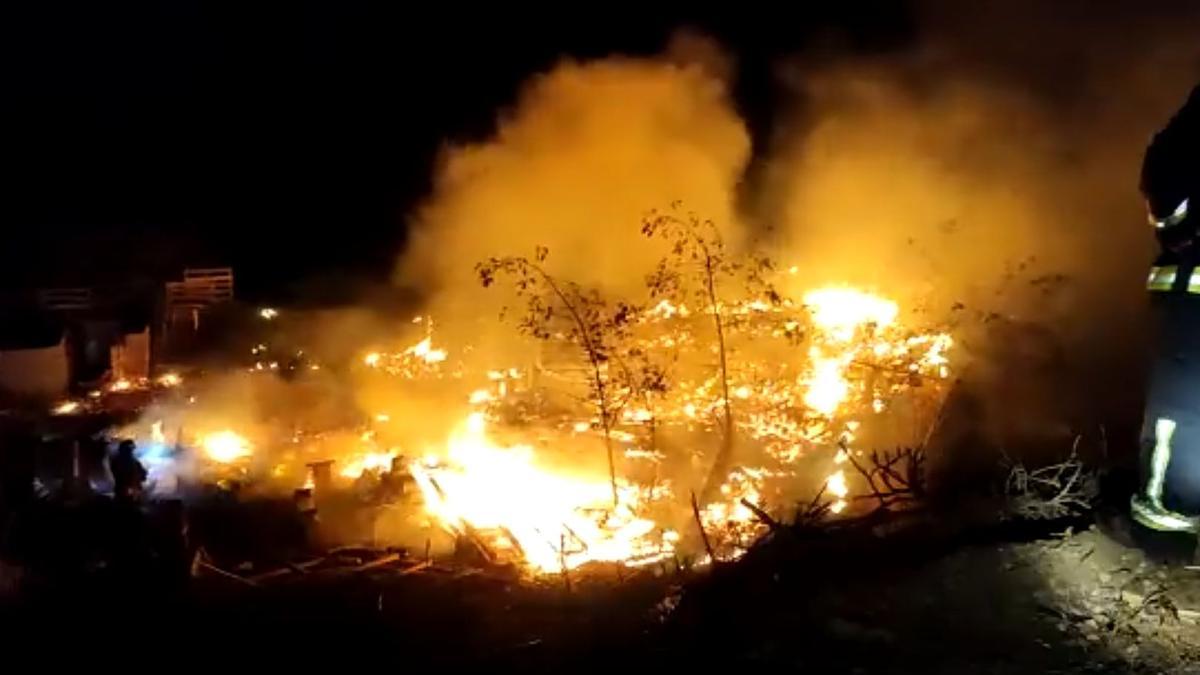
(939, 169)
(998, 176)
(587, 150)
(989, 179)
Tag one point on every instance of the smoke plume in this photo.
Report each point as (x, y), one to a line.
(586, 151)
(969, 171)
(993, 167)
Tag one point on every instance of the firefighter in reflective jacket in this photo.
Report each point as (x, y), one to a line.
(1169, 494)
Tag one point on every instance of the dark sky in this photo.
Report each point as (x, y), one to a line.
(292, 141)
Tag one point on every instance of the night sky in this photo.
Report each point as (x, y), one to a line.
(291, 142)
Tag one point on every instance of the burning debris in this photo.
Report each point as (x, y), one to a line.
(169, 380)
(550, 520)
(122, 384)
(514, 476)
(418, 360)
(715, 383)
(66, 408)
(94, 399)
(225, 446)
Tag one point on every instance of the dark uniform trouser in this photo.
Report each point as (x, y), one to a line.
(1169, 497)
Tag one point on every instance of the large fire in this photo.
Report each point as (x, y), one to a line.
(552, 520)
(525, 499)
(370, 460)
(841, 311)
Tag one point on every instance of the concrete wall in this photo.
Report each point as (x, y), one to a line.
(35, 372)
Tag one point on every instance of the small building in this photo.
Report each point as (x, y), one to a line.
(129, 355)
(34, 356)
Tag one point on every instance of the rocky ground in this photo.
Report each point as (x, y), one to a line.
(1129, 607)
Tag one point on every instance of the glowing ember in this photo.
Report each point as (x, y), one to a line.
(225, 447)
(121, 385)
(729, 520)
(169, 380)
(424, 350)
(66, 408)
(268, 313)
(553, 521)
(372, 359)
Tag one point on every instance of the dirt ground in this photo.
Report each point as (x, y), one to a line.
(1078, 603)
(1082, 603)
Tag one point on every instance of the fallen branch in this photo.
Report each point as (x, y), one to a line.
(228, 575)
(472, 535)
(413, 569)
(1053, 491)
(289, 568)
(516, 543)
(700, 525)
(379, 562)
(887, 485)
(815, 511)
(267, 576)
(562, 559)
(763, 517)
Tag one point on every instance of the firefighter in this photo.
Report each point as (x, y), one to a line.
(129, 475)
(1168, 498)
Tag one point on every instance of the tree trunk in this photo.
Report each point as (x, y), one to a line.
(724, 460)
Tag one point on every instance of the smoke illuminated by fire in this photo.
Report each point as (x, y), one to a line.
(225, 447)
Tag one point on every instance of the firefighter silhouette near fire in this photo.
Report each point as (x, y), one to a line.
(1168, 498)
(129, 476)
